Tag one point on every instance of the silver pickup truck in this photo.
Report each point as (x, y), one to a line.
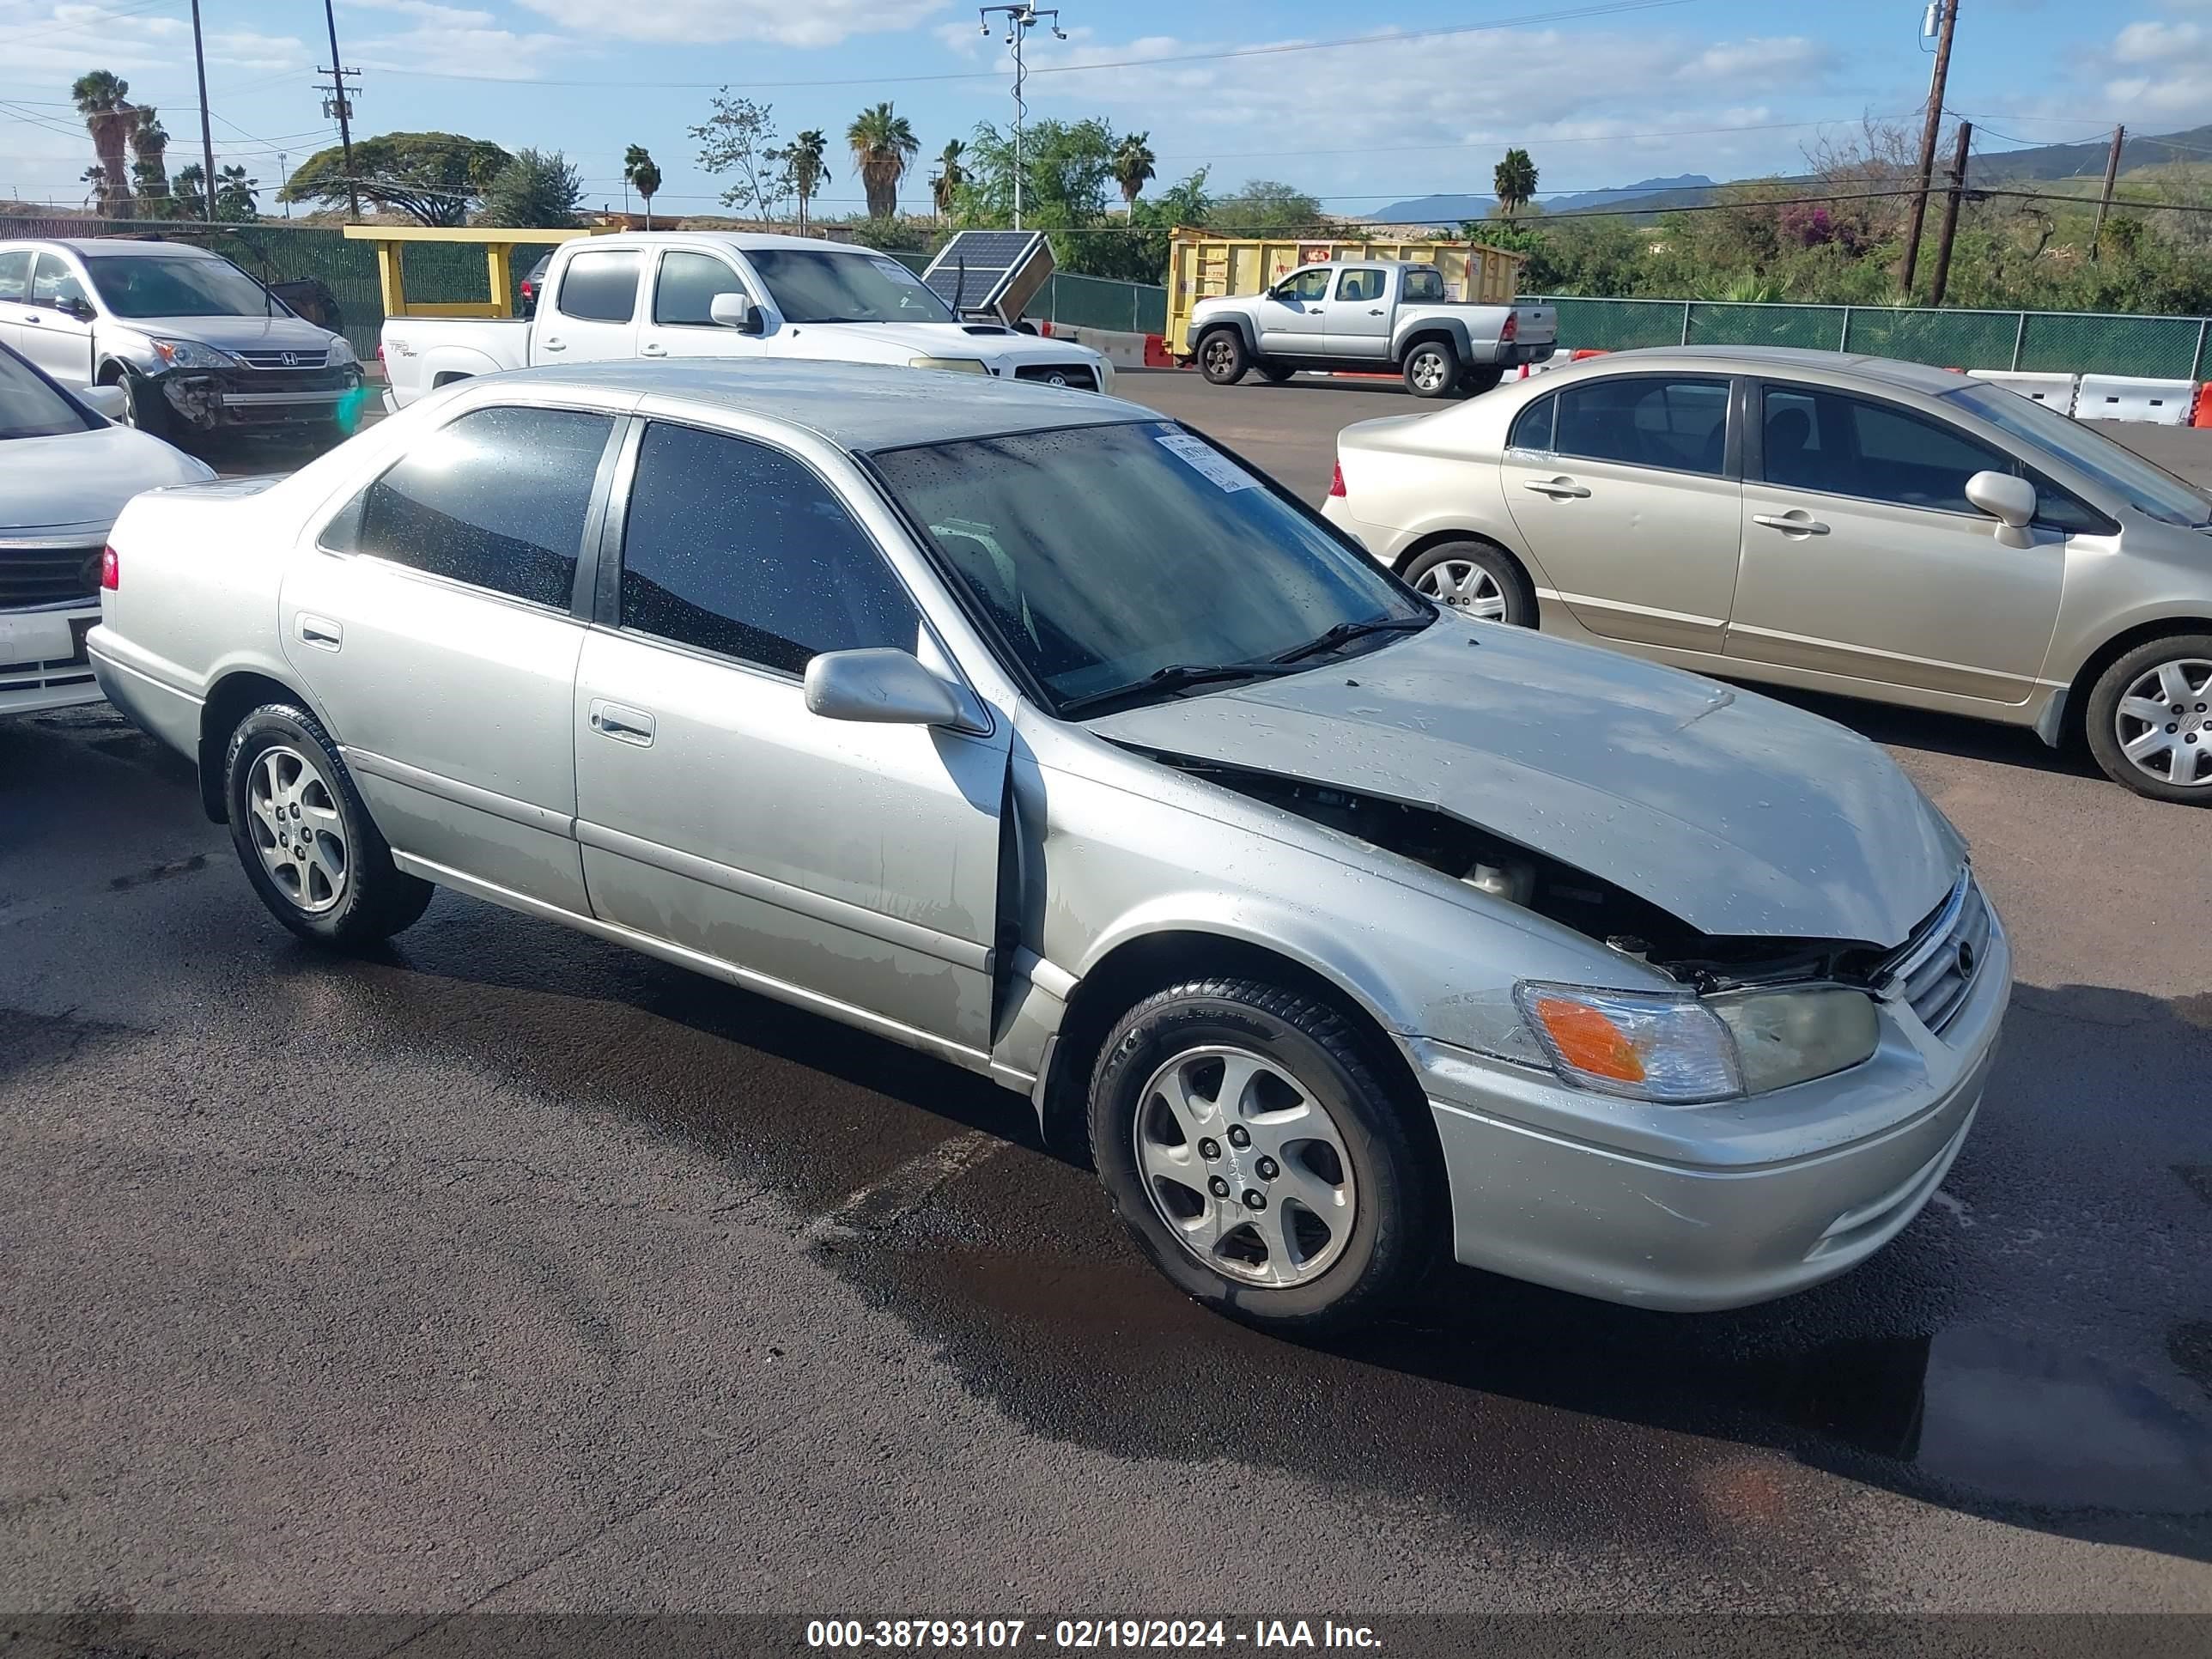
(1354, 315)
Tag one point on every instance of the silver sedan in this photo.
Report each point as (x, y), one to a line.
(1032, 731)
(1806, 519)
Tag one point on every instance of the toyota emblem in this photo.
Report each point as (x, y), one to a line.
(1057, 379)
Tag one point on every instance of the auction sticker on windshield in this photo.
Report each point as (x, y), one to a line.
(1224, 472)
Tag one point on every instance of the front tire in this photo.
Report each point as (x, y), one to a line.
(1432, 369)
(1222, 357)
(1476, 580)
(147, 411)
(1260, 1159)
(309, 848)
(2149, 720)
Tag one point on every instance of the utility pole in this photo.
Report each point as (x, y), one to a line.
(207, 128)
(1929, 131)
(1951, 215)
(2112, 177)
(1020, 20)
(340, 104)
(283, 177)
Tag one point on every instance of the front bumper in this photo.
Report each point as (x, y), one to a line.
(42, 663)
(1692, 1209)
(207, 400)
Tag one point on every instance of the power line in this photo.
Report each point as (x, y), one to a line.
(1525, 21)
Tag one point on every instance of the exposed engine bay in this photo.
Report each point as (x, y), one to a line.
(1592, 905)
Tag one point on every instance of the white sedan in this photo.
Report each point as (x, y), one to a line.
(66, 469)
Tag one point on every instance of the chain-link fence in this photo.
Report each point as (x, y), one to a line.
(2042, 342)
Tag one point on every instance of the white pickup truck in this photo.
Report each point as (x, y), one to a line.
(701, 294)
(1359, 315)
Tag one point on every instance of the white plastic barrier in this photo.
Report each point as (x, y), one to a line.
(2055, 390)
(2118, 397)
(1123, 351)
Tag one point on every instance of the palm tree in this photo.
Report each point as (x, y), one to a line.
(884, 146)
(149, 168)
(105, 103)
(1515, 182)
(805, 158)
(1133, 164)
(96, 177)
(951, 175)
(641, 172)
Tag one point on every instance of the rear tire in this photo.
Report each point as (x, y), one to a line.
(1275, 374)
(2149, 720)
(310, 849)
(1222, 357)
(1275, 1101)
(1432, 369)
(1475, 579)
(1479, 378)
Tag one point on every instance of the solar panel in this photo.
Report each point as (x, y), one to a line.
(990, 270)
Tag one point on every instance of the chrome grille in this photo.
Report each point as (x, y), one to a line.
(48, 575)
(306, 359)
(1939, 964)
(1081, 376)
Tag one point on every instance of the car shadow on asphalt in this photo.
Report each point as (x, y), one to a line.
(2003, 1357)
(1956, 735)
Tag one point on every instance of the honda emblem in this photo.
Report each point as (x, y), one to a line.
(290, 360)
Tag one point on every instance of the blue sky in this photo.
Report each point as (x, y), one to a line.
(1602, 94)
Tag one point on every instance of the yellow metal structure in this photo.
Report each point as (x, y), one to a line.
(1201, 266)
(391, 243)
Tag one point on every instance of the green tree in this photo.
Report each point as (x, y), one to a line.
(945, 184)
(806, 164)
(538, 188)
(1137, 253)
(236, 200)
(1067, 171)
(104, 100)
(434, 178)
(1266, 204)
(1513, 180)
(1134, 165)
(739, 138)
(149, 168)
(884, 146)
(643, 175)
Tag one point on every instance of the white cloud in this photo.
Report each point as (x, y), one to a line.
(496, 53)
(821, 23)
(424, 11)
(2158, 69)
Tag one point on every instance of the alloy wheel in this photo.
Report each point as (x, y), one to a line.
(292, 813)
(2164, 723)
(1428, 370)
(1466, 587)
(1217, 356)
(1245, 1165)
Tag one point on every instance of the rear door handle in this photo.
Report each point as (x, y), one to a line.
(1797, 522)
(553, 345)
(622, 723)
(1559, 489)
(320, 630)
(653, 349)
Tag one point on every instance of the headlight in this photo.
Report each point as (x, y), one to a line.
(190, 353)
(958, 364)
(1680, 1050)
(1784, 1037)
(342, 352)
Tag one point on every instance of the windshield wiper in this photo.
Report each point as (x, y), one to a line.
(1344, 632)
(1174, 677)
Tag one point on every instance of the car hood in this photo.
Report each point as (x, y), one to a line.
(895, 342)
(274, 333)
(1740, 815)
(80, 480)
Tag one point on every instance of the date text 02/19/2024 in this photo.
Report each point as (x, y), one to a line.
(1082, 1635)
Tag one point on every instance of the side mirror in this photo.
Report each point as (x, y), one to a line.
(111, 401)
(2010, 501)
(880, 685)
(735, 311)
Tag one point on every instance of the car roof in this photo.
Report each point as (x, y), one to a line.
(857, 406)
(1752, 360)
(109, 245)
(743, 241)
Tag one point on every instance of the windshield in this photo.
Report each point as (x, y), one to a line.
(813, 287)
(2150, 489)
(1106, 554)
(29, 406)
(176, 285)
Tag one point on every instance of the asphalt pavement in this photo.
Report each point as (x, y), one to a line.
(506, 1270)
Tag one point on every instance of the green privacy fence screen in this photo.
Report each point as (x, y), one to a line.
(1087, 301)
(2037, 342)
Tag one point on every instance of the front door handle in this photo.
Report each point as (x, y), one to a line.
(320, 630)
(1795, 522)
(553, 345)
(1377, 311)
(1559, 489)
(652, 349)
(622, 723)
